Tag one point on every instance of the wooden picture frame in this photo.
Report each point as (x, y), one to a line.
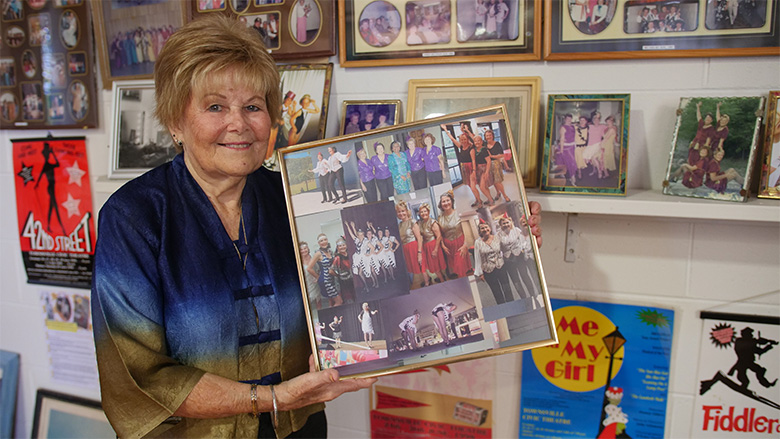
(436, 97)
(298, 82)
(661, 29)
(398, 272)
(61, 415)
(277, 24)
(586, 144)
(436, 32)
(117, 22)
(727, 128)
(47, 78)
(370, 115)
(138, 142)
(9, 376)
(769, 185)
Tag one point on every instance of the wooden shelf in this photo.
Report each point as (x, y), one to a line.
(650, 203)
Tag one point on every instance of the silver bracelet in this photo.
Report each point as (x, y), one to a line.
(275, 413)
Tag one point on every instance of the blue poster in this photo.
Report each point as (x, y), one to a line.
(608, 377)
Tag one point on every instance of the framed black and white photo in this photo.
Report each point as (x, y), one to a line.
(138, 142)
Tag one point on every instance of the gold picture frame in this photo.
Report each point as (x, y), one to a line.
(633, 29)
(435, 97)
(371, 114)
(388, 304)
(769, 186)
(386, 33)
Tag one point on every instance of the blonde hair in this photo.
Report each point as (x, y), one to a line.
(402, 206)
(201, 48)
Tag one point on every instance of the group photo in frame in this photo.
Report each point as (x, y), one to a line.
(586, 144)
(138, 142)
(397, 276)
(429, 98)
(289, 29)
(714, 147)
(305, 90)
(382, 32)
(60, 415)
(769, 184)
(359, 116)
(611, 29)
(130, 35)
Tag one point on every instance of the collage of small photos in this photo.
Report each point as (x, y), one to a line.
(287, 28)
(431, 22)
(45, 65)
(414, 244)
(642, 17)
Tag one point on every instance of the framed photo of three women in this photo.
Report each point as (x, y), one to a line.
(413, 245)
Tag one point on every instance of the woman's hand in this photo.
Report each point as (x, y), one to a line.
(314, 387)
(535, 221)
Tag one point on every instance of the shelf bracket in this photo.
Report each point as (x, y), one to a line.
(572, 231)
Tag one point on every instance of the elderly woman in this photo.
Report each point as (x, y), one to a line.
(453, 242)
(198, 315)
(489, 264)
(411, 242)
(430, 230)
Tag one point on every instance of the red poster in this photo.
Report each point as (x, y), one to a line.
(54, 209)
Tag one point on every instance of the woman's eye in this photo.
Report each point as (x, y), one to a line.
(215, 107)
(253, 108)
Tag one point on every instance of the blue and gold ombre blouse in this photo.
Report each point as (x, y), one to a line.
(171, 301)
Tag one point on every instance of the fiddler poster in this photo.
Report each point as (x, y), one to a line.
(54, 210)
(607, 377)
(737, 394)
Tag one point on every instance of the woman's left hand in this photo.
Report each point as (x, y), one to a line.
(314, 387)
(535, 221)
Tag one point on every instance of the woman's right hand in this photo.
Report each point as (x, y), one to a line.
(314, 387)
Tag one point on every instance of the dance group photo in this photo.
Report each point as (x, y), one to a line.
(712, 150)
(584, 148)
(400, 260)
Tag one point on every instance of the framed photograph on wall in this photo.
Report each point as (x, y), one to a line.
(47, 79)
(138, 142)
(402, 298)
(769, 186)
(9, 377)
(611, 29)
(586, 144)
(290, 29)
(359, 116)
(61, 415)
(382, 33)
(437, 97)
(714, 147)
(130, 35)
(305, 92)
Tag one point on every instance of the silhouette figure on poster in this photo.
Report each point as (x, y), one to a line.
(747, 349)
(48, 170)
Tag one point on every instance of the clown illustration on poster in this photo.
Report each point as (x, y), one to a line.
(607, 378)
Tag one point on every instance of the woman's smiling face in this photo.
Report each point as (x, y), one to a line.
(224, 128)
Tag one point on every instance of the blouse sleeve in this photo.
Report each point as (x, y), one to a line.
(477, 260)
(141, 385)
